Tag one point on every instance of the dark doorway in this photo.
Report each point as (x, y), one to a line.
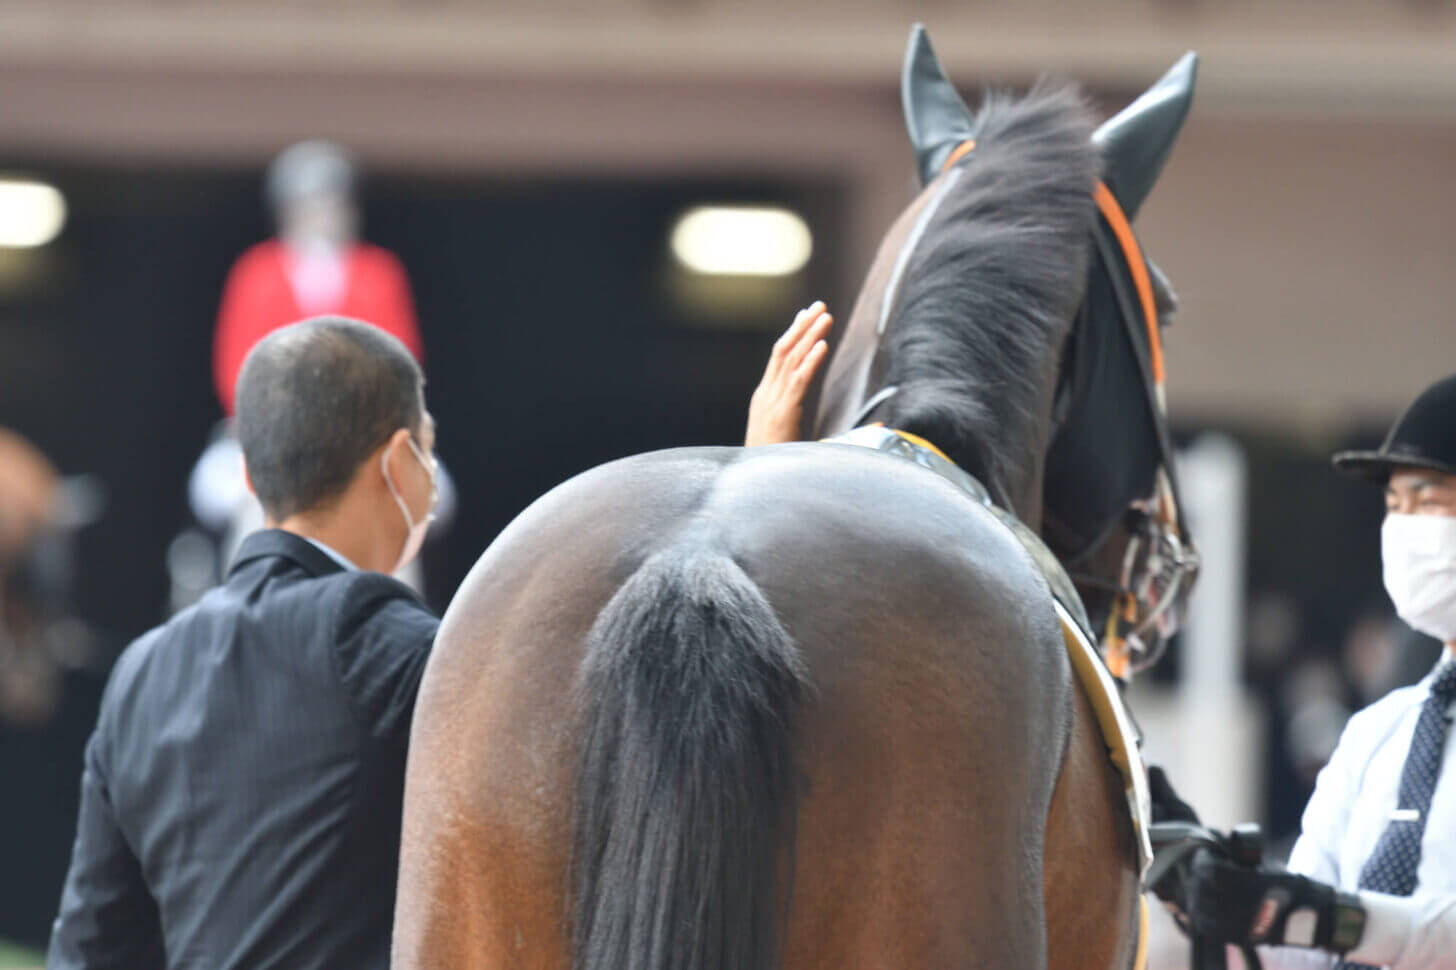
(557, 337)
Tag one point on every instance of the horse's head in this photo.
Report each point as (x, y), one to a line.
(1012, 319)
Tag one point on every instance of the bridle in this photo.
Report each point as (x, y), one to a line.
(1148, 598)
(1160, 562)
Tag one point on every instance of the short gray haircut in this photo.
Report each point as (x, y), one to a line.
(314, 400)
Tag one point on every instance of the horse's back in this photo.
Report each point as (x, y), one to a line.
(926, 752)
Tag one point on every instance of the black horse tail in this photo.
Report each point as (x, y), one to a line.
(685, 794)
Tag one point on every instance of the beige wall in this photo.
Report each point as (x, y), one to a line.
(1336, 52)
(1306, 217)
(1316, 262)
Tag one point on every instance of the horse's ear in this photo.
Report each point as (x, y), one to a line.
(1137, 140)
(935, 116)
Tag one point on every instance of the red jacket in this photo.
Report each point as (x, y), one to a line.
(258, 299)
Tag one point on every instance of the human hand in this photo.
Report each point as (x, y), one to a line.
(777, 405)
(1234, 903)
(1169, 810)
(1168, 806)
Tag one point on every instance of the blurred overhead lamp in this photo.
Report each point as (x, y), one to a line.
(31, 213)
(742, 241)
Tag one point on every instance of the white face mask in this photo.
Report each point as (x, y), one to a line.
(417, 530)
(1419, 556)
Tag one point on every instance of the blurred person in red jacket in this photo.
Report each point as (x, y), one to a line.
(316, 266)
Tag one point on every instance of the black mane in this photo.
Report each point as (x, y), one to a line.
(990, 292)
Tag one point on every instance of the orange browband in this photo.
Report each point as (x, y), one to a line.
(1112, 212)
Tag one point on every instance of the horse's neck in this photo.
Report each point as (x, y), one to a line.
(851, 370)
(854, 396)
(1026, 499)
(1018, 489)
(855, 376)
(843, 398)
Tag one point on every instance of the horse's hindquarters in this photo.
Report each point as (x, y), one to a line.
(921, 829)
(925, 753)
(1091, 883)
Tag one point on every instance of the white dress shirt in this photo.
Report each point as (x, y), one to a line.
(1351, 806)
(332, 553)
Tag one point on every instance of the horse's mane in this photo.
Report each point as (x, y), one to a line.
(991, 289)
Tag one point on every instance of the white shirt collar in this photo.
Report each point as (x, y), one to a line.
(332, 553)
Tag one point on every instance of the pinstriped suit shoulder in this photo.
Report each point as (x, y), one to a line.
(244, 783)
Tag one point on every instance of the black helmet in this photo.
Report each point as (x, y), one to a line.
(1423, 437)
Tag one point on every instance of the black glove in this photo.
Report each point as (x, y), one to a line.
(1167, 806)
(1240, 904)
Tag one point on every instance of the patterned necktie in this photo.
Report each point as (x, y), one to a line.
(1392, 867)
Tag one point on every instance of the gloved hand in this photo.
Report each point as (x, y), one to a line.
(1239, 904)
(1167, 806)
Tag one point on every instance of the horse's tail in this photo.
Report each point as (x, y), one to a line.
(685, 795)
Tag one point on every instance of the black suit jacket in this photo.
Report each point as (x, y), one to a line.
(241, 796)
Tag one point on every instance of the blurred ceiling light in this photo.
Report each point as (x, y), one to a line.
(31, 213)
(742, 241)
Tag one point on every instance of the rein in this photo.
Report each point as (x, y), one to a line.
(868, 408)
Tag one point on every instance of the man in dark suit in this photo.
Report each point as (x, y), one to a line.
(241, 794)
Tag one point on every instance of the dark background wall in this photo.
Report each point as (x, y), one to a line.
(556, 338)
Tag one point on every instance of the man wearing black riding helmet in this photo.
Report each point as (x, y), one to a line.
(1372, 879)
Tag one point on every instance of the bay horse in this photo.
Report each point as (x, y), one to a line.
(809, 705)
